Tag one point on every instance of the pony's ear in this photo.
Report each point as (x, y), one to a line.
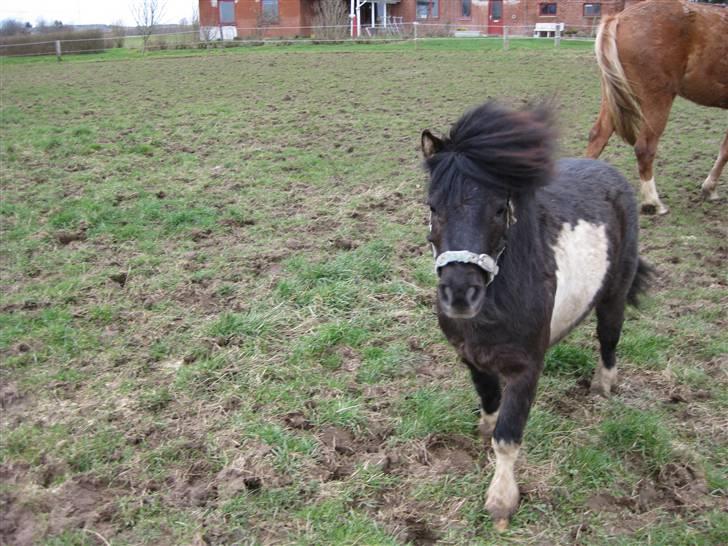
(430, 144)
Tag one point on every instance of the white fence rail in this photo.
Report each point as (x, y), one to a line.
(210, 37)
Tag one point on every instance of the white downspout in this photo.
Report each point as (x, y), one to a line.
(351, 18)
(358, 19)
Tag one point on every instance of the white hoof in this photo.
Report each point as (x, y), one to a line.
(603, 380)
(709, 189)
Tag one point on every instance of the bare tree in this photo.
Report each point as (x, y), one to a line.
(9, 27)
(195, 17)
(118, 31)
(332, 17)
(147, 14)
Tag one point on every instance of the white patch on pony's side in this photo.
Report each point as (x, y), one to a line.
(582, 260)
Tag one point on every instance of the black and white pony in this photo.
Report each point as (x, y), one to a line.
(524, 248)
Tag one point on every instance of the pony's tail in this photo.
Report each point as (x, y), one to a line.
(622, 103)
(641, 282)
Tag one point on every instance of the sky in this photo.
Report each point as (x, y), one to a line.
(86, 12)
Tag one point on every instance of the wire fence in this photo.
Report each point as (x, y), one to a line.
(225, 37)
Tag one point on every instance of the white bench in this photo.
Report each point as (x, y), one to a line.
(466, 34)
(547, 29)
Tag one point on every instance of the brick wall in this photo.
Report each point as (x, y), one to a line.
(247, 14)
(570, 12)
(450, 13)
(296, 14)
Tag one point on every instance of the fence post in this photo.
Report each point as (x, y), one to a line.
(415, 24)
(557, 36)
(505, 38)
(58, 50)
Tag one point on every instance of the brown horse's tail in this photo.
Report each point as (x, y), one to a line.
(624, 108)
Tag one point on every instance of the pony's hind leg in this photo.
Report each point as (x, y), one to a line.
(600, 132)
(709, 186)
(645, 149)
(610, 316)
(488, 389)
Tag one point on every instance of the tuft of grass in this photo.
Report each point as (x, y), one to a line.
(633, 432)
(569, 359)
(320, 343)
(591, 467)
(332, 522)
(435, 411)
(643, 347)
(343, 410)
(382, 363)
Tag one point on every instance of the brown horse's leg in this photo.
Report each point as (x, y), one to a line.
(646, 147)
(710, 184)
(600, 133)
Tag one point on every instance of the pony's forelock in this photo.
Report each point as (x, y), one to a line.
(508, 151)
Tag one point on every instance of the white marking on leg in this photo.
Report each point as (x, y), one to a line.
(503, 495)
(604, 379)
(648, 191)
(487, 423)
(709, 188)
(582, 261)
(710, 185)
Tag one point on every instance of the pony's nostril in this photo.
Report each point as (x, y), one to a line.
(472, 294)
(445, 293)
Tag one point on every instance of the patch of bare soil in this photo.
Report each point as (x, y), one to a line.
(577, 400)
(341, 451)
(251, 471)
(10, 395)
(449, 455)
(677, 488)
(31, 513)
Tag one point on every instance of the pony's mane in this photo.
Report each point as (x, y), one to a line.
(510, 151)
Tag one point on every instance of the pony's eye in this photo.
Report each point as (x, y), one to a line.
(432, 209)
(501, 211)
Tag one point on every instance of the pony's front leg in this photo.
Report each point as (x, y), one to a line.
(487, 386)
(518, 395)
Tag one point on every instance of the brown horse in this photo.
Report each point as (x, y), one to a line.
(648, 54)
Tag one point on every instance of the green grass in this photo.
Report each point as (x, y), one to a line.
(639, 433)
(271, 370)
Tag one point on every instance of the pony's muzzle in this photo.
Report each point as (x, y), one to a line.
(461, 291)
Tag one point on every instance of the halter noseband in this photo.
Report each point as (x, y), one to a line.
(484, 261)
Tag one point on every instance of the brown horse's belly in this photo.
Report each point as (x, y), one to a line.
(706, 83)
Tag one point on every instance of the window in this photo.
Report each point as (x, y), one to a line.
(592, 10)
(270, 10)
(547, 9)
(496, 10)
(428, 8)
(227, 12)
(466, 5)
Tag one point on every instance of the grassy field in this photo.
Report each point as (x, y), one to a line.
(217, 325)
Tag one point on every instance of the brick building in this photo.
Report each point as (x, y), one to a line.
(232, 19)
